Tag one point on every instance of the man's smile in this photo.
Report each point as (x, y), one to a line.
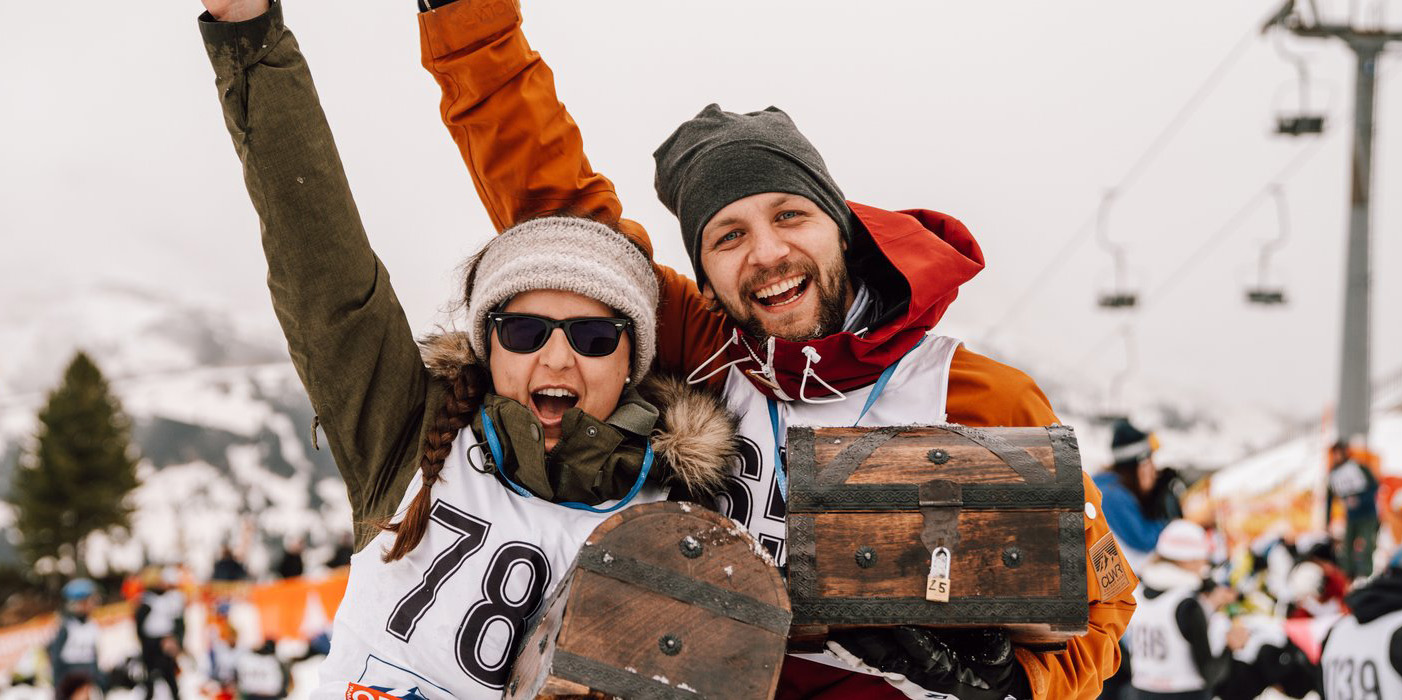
(783, 292)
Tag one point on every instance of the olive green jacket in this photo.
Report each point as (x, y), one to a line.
(350, 341)
(346, 330)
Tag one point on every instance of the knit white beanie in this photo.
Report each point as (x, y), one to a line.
(572, 255)
(1183, 541)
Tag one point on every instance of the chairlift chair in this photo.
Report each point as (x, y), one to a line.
(1118, 300)
(1303, 121)
(1266, 296)
(1120, 297)
(1263, 293)
(1299, 124)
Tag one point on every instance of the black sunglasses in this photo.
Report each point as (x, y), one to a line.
(527, 333)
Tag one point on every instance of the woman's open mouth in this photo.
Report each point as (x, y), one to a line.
(550, 403)
(782, 293)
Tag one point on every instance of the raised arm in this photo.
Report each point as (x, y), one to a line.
(526, 154)
(522, 147)
(346, 331)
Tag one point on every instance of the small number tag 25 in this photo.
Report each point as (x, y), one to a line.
(937, 589)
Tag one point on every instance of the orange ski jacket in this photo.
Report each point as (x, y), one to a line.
(526, 156)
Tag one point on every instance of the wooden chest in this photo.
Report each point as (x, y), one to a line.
(942, 526)
(665, 600)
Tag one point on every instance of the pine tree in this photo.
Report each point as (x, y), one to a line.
(78, 478)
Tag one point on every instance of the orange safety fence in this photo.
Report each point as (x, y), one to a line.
(1388, 488)
(298, 608)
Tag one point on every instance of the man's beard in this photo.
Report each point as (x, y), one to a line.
(832, 301)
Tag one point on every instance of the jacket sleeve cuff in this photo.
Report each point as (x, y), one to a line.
(464, 25)
(1032, 672)
(239, 45)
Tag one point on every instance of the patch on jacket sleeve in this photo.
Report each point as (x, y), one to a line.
(1110, 568)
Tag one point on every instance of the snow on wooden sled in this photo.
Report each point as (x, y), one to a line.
(665, 600)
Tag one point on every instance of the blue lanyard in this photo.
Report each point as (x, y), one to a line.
(881, 381)
(779, 474)
(494, 443)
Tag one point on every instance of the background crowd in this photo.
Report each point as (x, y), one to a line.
(1216, 617)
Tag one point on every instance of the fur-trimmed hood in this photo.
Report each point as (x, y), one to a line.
(695, 435)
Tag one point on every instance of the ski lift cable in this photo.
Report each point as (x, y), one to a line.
(1220, 235)
(1156, 146)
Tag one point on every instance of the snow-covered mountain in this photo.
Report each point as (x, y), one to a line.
(219, 418)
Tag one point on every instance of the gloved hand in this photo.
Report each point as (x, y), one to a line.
(973, 664)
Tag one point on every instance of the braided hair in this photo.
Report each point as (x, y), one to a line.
(464, 395)
(465, 387)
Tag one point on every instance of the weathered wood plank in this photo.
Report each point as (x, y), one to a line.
(665, 600)
(901, 564)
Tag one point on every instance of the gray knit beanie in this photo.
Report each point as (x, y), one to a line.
(718, 157)
(572, 255)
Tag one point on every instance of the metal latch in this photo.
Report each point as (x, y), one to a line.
(940, 501)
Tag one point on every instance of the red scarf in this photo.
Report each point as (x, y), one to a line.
(935, 254)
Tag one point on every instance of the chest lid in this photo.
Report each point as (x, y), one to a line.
(891, 468)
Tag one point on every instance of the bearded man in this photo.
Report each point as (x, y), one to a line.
(807, 308)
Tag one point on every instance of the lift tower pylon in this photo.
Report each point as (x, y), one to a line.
(1355, 393)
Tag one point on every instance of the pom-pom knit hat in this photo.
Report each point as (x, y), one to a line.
(569, 254)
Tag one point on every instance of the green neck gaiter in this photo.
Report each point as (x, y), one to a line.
(594, 461)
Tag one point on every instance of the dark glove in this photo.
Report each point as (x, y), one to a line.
(973, 664)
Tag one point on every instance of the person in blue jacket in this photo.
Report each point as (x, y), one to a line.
(73, 650)
(1125, 488)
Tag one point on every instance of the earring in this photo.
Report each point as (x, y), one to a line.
(627, 380)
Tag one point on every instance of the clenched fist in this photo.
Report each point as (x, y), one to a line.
(235, 10)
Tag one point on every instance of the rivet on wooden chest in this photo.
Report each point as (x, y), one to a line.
(866, 557)
(1012, 557)
(690, 547)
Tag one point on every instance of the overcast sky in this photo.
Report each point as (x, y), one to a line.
(1013, 116)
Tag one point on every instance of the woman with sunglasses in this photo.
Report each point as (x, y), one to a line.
(476, 470)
